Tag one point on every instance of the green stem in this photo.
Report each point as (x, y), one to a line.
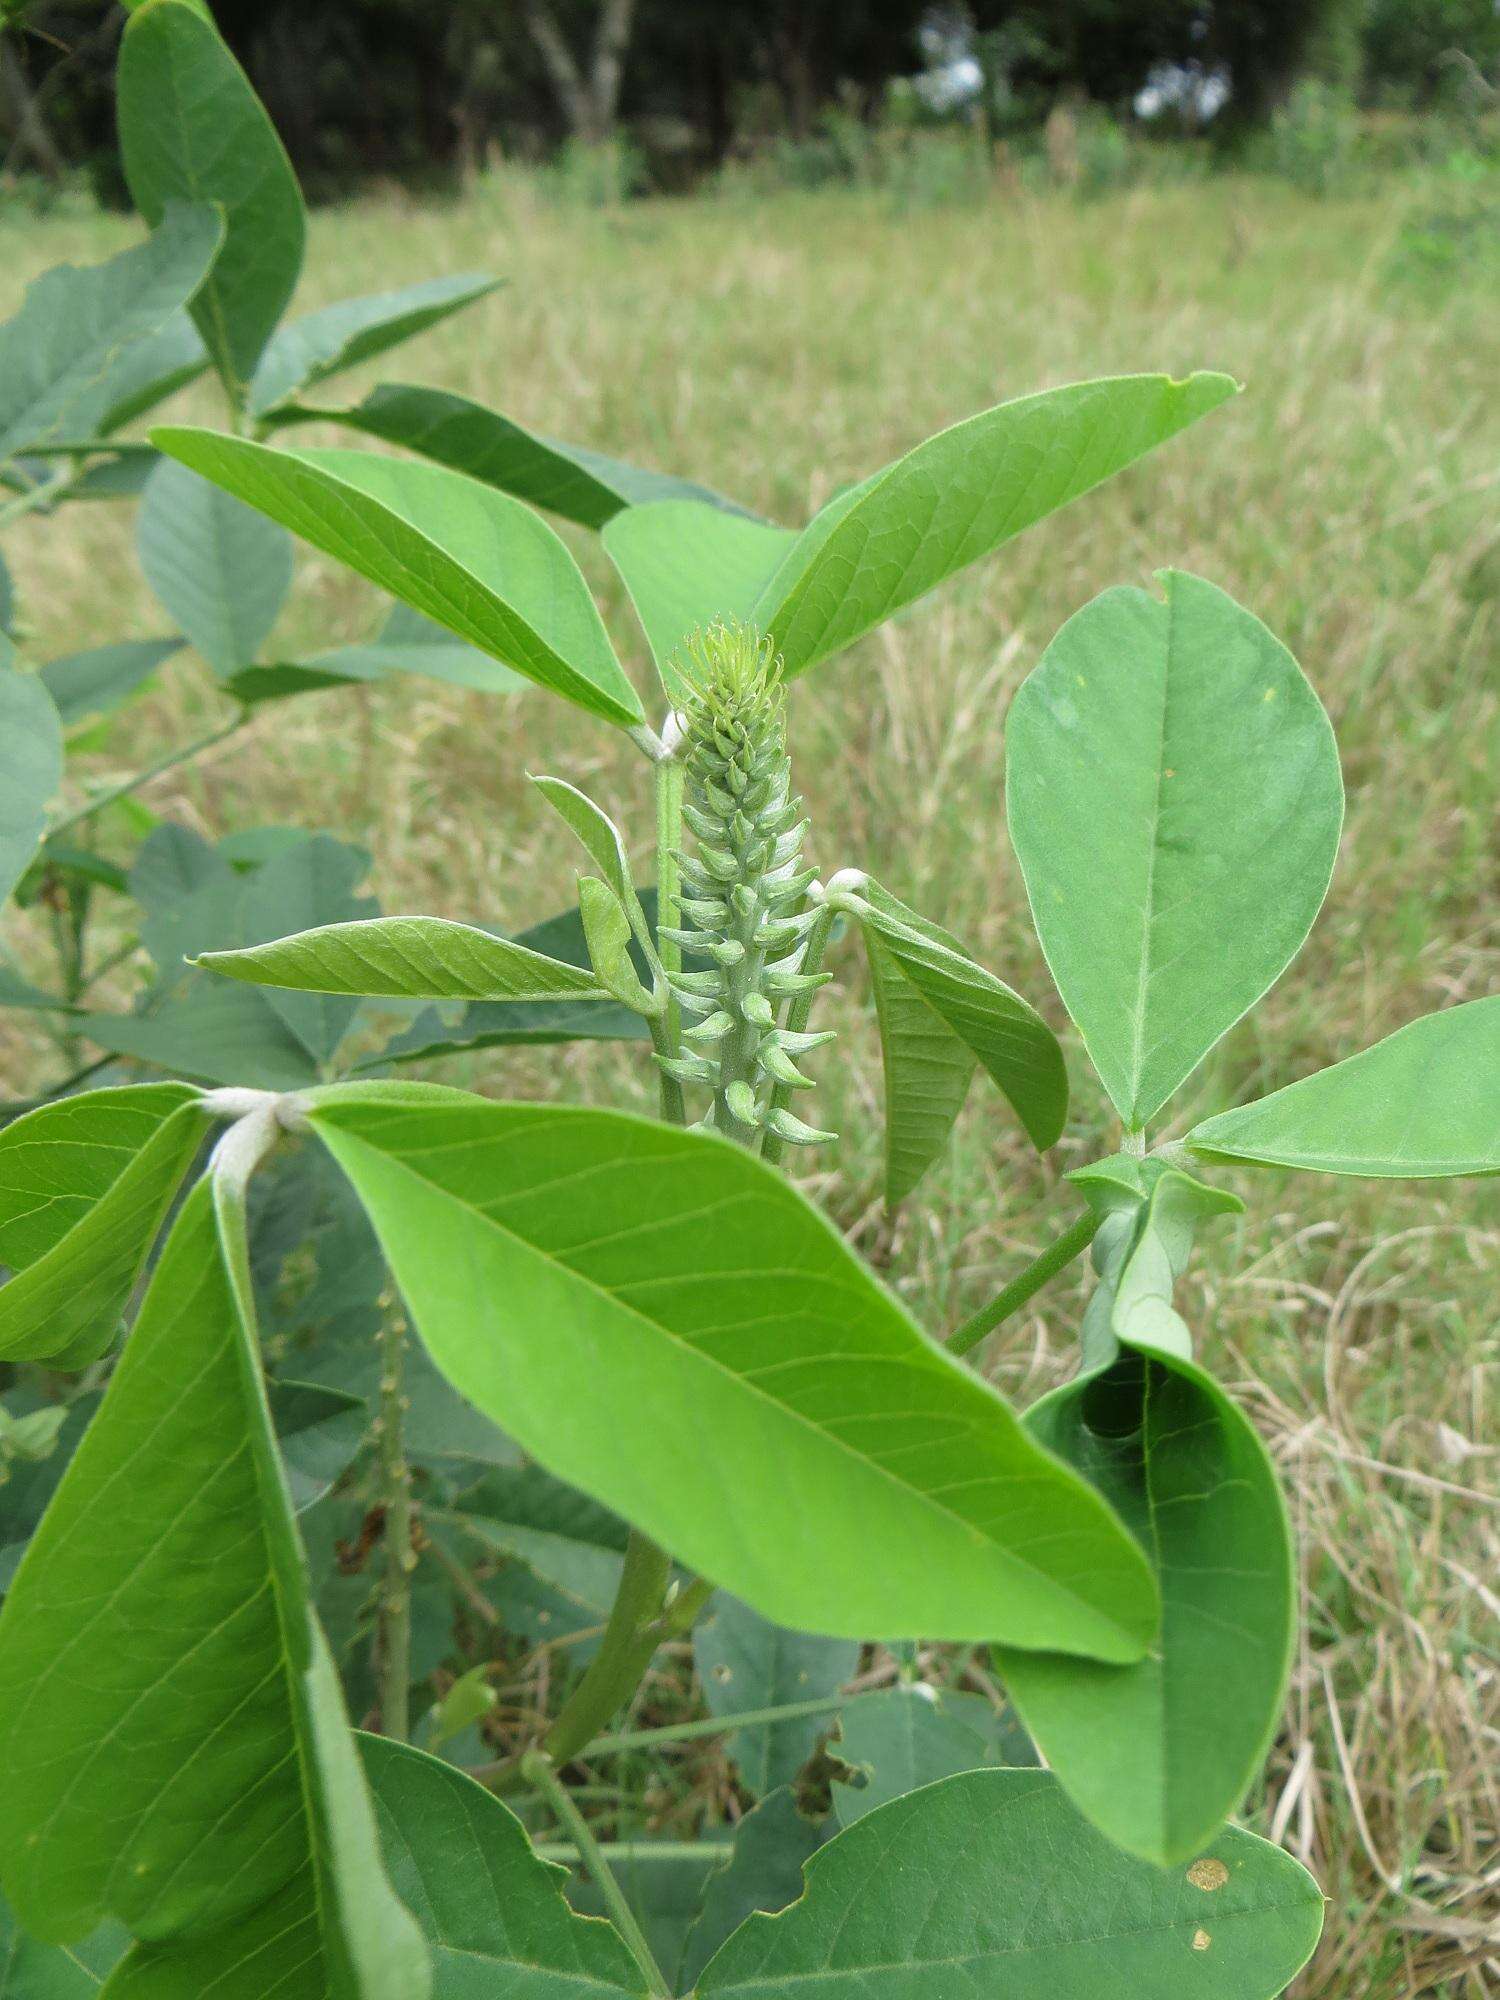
(798, 1014)
(1052, 1260)
(711, 1725)
(630, 1639)
(38, 496)
(393, 1615)
(538, 1772)
(162, 764)
(666, 1034)
(686, 1851)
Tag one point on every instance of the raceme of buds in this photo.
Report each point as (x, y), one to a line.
(743, 889)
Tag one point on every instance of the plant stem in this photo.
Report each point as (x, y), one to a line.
(627, 1850)
(666, 1033)
(393, 1616)
(40, 495)
(537, 1769)
(630, 1639)
(798, 1014)
(711, 1725)
(1052, 1260)
(162, 764)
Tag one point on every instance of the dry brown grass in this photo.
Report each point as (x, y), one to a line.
(1349, 497)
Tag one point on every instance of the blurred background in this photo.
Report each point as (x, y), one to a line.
(771, 244)
(636, 96)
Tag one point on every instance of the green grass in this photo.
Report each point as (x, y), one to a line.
(778, 348)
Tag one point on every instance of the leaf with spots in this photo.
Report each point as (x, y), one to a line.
(990, 1883)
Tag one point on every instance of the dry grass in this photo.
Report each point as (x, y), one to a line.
(779, 349)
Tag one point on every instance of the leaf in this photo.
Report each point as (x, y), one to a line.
(320, 1432)
(1157, 1754)
(32, 1971)
(150, 372)
(31, 769)
(424, 958)
(191, 128)
(98, 681)
(746, 1663)
(73, 346)
(566, 1551)
(58, 1161)
(763, 1871)
(557, 1266)
(911, 1735)
(564, 479)
(479, 564)
(991, 1883)
(961, 495)
(604, 844)
(1007, 1037)
(320, 1280)
(157, 1648)
(320, 344)
(685, 564)
(217, 1033)
(311, 883)
(408, 643)
(927, 1069)
(221, 570)
(1422, 1104)
(64, 1306)
(493, 1913)
(1175, 802)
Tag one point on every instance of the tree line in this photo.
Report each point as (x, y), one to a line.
(406, 88)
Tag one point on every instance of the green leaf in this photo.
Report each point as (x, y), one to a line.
(685, 564)
(161, 1653)
(71, 350)
(564, 479)
(58, 1161)
(320, 1280)
(912, 1734)
(1004, 1034)
(990, 1883)
(221, 570)
(607, 932)
(605, 846)
(478, 563)
(31, 769)
(408, 643)
(493, 1913)
(565, 1551)
(1422, 1104)
(192, 129)
(424, 958)
(32, 1971)
(1175, 802)
(319, 1432)
(153, 370)
(98, 681)
(1157, 1754)
(962, 494)
(927, 1068)
(64, 1305)
(320, 344)
(763, 1871)
(557, 1265)
(310, 883)
(744, 1662)
(217, 1033)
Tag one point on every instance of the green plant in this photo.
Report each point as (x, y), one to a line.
(623, 1321)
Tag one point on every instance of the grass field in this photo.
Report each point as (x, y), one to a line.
(780, 348)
